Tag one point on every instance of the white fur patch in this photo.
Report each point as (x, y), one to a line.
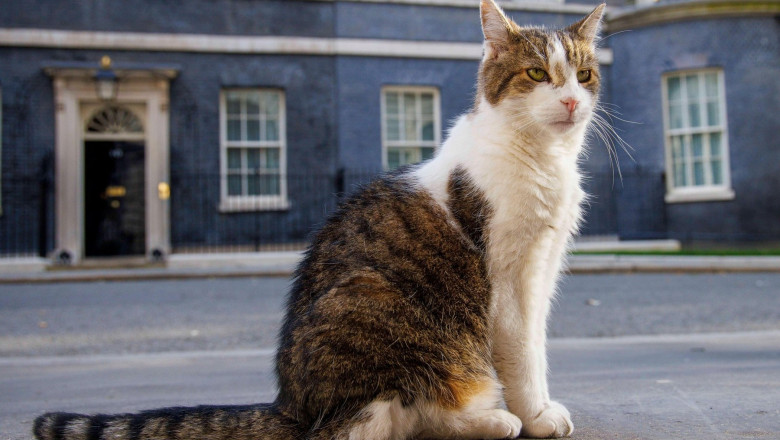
(77, 429)
(118, 429)
(558, 55)
(385, 420)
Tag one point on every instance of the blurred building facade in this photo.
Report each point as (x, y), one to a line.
(238, 124)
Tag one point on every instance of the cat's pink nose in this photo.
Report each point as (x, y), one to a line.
(570, 103)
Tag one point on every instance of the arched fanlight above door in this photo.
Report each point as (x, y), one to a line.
(114, 119)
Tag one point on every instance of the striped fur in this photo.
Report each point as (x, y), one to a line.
(422, 303)
(203, 423)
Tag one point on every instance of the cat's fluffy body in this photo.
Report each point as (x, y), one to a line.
(423, 302)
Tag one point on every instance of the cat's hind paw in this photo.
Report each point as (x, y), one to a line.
(553, 422)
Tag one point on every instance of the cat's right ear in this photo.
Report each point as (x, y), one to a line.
(496, 27)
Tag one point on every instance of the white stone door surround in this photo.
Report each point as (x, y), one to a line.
(75, 94)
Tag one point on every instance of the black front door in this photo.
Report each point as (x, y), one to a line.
(115, 219)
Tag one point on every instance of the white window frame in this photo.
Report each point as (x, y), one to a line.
(417, 90)
(690, 192)
(230, 203)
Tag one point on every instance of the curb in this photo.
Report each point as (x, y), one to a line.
(283, 264)
(579, 264)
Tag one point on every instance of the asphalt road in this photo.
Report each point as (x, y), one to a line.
(126, 346)
(245, 313)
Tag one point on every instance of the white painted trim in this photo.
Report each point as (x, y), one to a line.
(700, 194)
(254, 45)
(626, 245)
(417, 90)
(552, 6)
(253, 203)
(71, 94)
(692, 193)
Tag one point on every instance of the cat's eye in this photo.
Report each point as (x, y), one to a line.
(583, 76)
(537, 74)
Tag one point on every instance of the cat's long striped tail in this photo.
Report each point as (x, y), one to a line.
(251, 422)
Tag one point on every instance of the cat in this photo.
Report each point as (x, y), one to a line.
(420, 308)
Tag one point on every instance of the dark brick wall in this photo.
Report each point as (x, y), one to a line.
(228, 17)
(748, 51)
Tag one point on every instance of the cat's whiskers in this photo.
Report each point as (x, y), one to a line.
(602, 133)
(607, 133)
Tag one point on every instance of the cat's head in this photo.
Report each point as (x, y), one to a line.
(545, 81)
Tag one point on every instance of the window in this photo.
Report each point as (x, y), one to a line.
(697, 159)
(253, 153)
(411, 125)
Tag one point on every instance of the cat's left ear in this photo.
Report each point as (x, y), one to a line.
(496, 27)
(588, 28)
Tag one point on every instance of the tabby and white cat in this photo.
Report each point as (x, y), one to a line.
(422, 304)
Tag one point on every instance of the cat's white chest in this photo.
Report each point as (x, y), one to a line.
(535, 205)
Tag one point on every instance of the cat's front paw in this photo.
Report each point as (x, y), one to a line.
(553, 422)
(501, 424)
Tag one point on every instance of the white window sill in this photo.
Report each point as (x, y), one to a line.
(249, 204)
(708, 194)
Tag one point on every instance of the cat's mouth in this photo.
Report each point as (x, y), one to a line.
(563, 126)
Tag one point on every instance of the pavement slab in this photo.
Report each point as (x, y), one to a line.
(660, 387)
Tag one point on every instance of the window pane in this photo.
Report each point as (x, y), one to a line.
(427, 130)
(677, 149)
(234, 158)
(409, 155)
(694, 110)
(253, 185)
(697, 144)
(674, 89)
(269, 184)
(679, 159)
(713, 113)
(253, 158)
(410, 109)
(393, 158)
(692, 87)
(675, 116)
(427, 153)
(698, 173)
(711, 84)
(271, 158)
(253, 104)
(233, 101)
(271, 104)
(252, 130)
(263, 185)
(715, 148)
(679, 175)
(426, 101)
(271, 130)
(391, 103)
(234, 185)
(717, 172)
(234, 129)
(694, 114)
(393, 129)
(410, 130)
